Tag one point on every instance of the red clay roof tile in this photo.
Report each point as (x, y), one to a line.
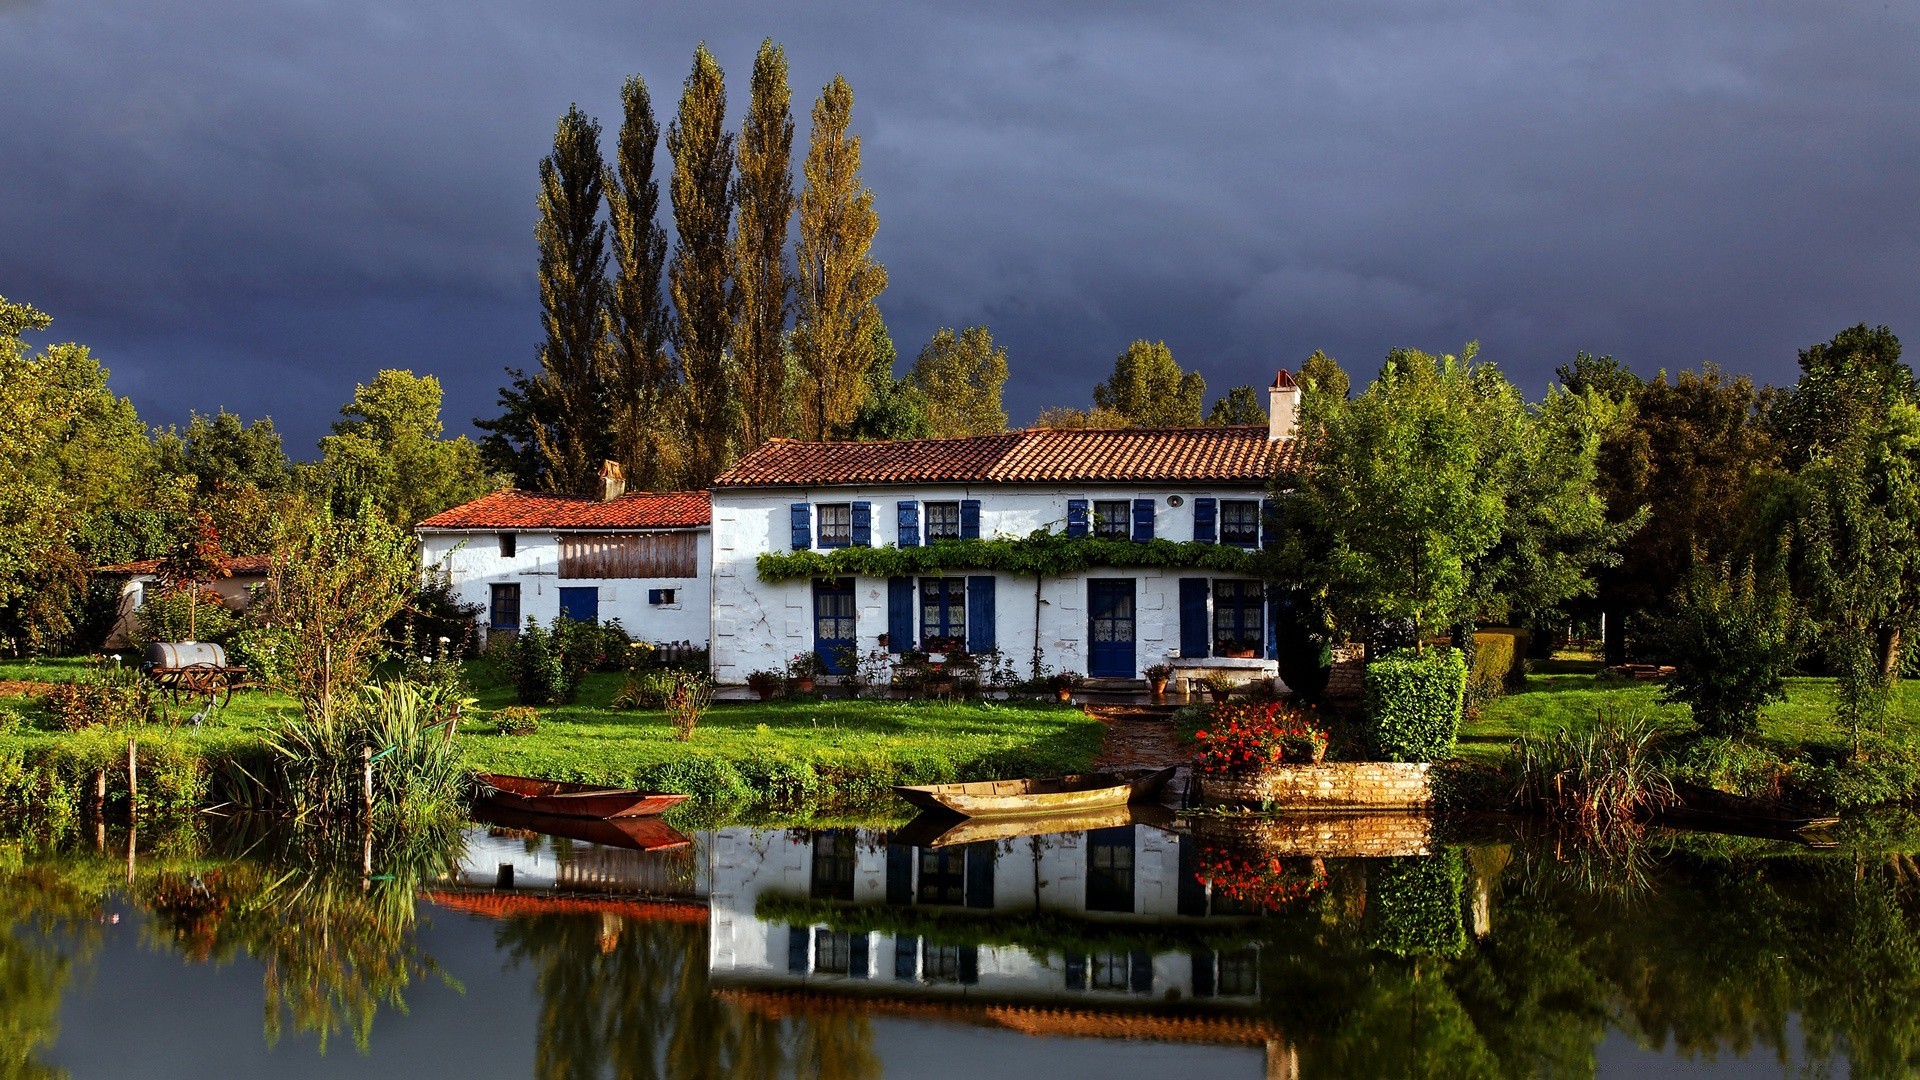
(239, 565)
(530, 510)
(1240, 454)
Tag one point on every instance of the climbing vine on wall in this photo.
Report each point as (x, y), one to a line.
(1038, 554)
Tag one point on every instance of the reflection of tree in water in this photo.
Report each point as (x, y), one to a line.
(1704, 955)
(49, 922)
(629, 998)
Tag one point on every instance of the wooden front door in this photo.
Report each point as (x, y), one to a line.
(1110, 628)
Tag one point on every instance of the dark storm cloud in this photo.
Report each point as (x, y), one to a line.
(255, 205)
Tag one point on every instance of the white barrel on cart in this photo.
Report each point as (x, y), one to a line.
(179, 654)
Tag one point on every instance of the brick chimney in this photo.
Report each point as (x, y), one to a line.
(1283, 406)
(613, 482)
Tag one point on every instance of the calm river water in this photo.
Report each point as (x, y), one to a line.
(1346, 948)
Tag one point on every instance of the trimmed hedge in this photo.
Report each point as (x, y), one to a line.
(1413, 905)
(1499, 661)
(1414, 702)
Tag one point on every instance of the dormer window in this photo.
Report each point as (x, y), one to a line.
(1111, 519)
(836, 525)
(1240, 522)
(943, 521)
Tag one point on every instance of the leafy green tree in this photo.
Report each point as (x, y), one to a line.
(642, 388)
(894, 408)
(698, 277)
(762, 286)
(838, 284)
(1732, 635)
(962, 376)
(1149, 389)
(1068, 418)
(1321, 373)
(1847, 387)
(571, 431)
(1240, 406)
(387, 449)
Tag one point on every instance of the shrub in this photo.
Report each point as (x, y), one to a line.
(104, 695)
(1304, 648)
(539, 671)
(1499, 664)
(1731, 638)
(165, 617)
(517, 720)
(645, 689)
(765, 682)
(1414, 701)
(1244, 738)
(1413, 904)
(688, 701)
(435, 611)
(1609, 774)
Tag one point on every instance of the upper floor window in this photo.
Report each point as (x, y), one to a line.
(508, 543)
(1240, 522)
(943, 521)
(836, 525)
(1111, 519)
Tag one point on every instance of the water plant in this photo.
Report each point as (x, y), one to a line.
(1606, 774)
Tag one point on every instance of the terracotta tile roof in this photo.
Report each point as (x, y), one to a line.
(1241, 454)
(1154, 1022)
(530, 510)
(241, 565)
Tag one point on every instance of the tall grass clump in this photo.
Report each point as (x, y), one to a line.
(1608, 774)
(405, 728)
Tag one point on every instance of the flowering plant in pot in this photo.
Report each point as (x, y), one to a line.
(1064, 683)
(1241, 739)
(765, 683)
(1220, 685)
(802, 670)
(1157, 677)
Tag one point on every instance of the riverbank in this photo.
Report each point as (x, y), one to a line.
(826, 755)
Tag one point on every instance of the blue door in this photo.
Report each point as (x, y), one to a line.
(581, 604)
(833, 639)
(1110, 628)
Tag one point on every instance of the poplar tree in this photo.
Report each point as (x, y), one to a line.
(641, 379)
(962, 376)
(839, 284)
(702, 152)
(568, 397)
(763, 192)
(1149, 389)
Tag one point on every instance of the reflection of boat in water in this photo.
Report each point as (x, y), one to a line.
(559, 798)
(509, 904)
(1051, 795)
(939, 828)
(632, 833)
(1713, 810)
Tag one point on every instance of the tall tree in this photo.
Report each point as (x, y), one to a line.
(1240, 406)
(962, 376)
(1847, 387)
(570, 389)
(838, 283)
(894, 408)
(702, 153)
(1149, 389)
(763, 193)
(1323, 374)
(236, 471)
(387, 449)
(641, 381)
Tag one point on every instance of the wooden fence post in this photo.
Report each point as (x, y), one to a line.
(133, 776)
(366, 780)
(100, 793)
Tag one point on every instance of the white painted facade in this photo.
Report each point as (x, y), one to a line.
(474, 561)
(758, 624)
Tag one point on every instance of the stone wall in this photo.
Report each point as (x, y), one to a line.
(1347, 681)
(1343, 785)
(1332, 836)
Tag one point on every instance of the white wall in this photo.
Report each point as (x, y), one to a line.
(474, 563)
(761, 625)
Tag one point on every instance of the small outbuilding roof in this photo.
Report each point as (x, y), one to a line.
(239, 565)
(514, 509)
(1237, 454)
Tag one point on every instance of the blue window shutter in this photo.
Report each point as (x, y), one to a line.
(1194, 638)
(1076, 517)
(980, 637)
(1205, 513)
(1202, 973)
(802, 526)
(1140, 972)
(909, 522)
(969, 965)
(900, 635)
(863, 524)
(1076, 966)
(979, 867)
(1269, 522)
(900, 874)
(857, 956)
(797, 949)
(969, 519)
(906, 957)
(1192, 895)
(1275, 602)
(1143, 519)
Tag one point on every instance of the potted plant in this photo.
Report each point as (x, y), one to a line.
(1157, 677)
(1220, 685)
(802, 670)
(1064, 683)
(1241, 649)
(765, 682)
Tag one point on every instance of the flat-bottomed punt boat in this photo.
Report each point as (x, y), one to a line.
(533, 795)
(1051, 795)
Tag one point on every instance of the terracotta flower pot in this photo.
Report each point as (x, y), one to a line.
(1220, 694)
(766, 692)
(1159, 689)
(1065, 693)
(805, 686)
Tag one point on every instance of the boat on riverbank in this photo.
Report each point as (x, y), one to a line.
(1049, 795)
(558, 798)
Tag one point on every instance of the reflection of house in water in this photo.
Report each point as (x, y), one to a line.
(1110, 915)
(525, 860)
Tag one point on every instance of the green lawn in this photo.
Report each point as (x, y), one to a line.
(822, 754)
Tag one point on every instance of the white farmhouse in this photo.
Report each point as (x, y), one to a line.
(639, 558)
(1203, 484)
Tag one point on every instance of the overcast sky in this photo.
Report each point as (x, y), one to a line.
(255, 205)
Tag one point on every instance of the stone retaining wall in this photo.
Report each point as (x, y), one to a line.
(1333, 836)
(1342, 785)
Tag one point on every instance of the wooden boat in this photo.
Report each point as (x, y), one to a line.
(634, 833)
(1697, 804)
(943, 828)
(558, 798)
(1052, 795)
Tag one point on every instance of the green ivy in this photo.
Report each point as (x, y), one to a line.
(1040, 932)
(1038, 554)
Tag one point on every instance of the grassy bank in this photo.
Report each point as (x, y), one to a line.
(819, 754)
